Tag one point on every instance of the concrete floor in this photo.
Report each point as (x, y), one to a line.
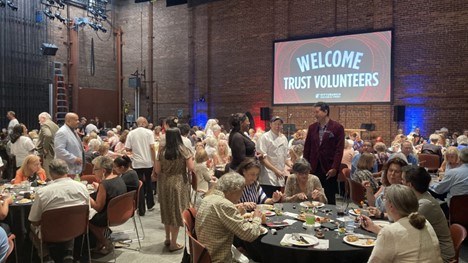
(153, 249)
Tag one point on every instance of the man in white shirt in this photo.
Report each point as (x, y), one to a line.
(274, 145)
(59, 193)
(13, 121)
(140, 144)
(91, 127)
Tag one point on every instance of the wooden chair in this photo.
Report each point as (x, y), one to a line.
(458, 233)
(457, 212)
(64, 224)
(429, 161)
(11, 246)
(199, 252)
(119, 210)
(188, 216)
(357, 192)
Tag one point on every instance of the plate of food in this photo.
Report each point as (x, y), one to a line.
(266, 207)
(321, 219)
(355, 212)
(41, 182)
(310, 204)
(302, 240)
(269, 213)
(381, 223)
(316, 224)
(357, 241)
(275, 224)
(23, 201)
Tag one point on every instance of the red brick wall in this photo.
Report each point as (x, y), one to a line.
(223, 51)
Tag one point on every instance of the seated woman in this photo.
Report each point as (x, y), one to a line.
(253, 193)
(203, 173)
(363, 172)
(411, 238)
(301, 185)
(391, 175)
(381, 154)
(451, 159)
(30, 170)
(130, 177)
(111, 186)
(223, 153)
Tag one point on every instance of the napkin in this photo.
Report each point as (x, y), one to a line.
(323, 243)
(289, 221)
(290, 214)
(284, 241)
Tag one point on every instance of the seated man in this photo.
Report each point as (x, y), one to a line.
(418, 179)
(59, 193)
(432, 147)
(455, 181)
(218, 219)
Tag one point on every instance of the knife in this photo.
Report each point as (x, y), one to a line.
(303, 239)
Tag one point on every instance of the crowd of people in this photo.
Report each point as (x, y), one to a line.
(226, 172)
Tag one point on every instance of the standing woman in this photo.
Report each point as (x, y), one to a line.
(241, 145)
(172, 164)
(21, 145)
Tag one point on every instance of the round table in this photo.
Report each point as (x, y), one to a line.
(270, 250)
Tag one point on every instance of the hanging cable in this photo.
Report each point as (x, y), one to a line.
(92, 62)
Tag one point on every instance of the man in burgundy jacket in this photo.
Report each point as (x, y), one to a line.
(324, 149)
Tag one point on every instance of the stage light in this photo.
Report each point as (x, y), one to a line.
(2, 4)
(60, 17)
(102, 14)
(12, 6)
(60, 3)
(50, 2)
(94, 26)
(103, 29)
(49, 14)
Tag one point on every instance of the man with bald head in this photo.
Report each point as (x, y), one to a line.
(45, 143)
(68, 146)
(140, 142)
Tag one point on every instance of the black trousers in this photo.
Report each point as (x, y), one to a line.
(144, 174)
(329, 185)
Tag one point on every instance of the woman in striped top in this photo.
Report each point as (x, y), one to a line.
(253, 193)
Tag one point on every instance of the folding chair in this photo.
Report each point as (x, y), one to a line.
(458, 233)
(200, 253)
(457, 212)
(357, 192)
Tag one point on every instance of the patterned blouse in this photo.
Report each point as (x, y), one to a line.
(292, 186)
(365, 175)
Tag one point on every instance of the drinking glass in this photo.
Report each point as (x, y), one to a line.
(349, 226)
(310, 219)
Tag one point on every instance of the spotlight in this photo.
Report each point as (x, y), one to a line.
(60, 17)
(103, 29)
(2, 4)
(102, 14)
(92, 11)
(60, 3)
(104, 2)
(12, 6)
(50, 2)
(94, 26)
(49, 14)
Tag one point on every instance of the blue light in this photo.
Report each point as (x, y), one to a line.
(200, 114)
(414, 117)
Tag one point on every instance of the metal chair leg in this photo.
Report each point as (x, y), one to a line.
(138, 236)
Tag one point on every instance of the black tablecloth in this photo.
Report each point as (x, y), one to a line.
(269, 249)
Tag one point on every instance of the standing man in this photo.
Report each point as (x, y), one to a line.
(140, 142)
(323, 148)
(11, 115)
(45, 143)
(274, 145)
(68, 146)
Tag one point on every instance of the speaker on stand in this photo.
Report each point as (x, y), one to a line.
(265, 115)
(399, 114)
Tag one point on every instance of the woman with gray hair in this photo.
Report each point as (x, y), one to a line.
(302, 186)
(218, 219)
(410, 238)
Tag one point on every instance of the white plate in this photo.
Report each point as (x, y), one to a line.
(23, 192)
(360, 242)
(21, 202)
(269, 213)
(263, 230)
(265, 207)
(352, 212)
(315, 203)
(311, 239)
(315, 225)
(381, 223)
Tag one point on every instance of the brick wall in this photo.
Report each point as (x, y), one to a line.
(223, 51)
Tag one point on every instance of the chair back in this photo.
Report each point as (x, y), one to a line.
(88, 168)
(121, 208)
(347, 175)
(11, 246)
(429, 161)
(357, 192)
(199, 252)
(64, 224)
(188, 215)
(458, 233)
(457, 213)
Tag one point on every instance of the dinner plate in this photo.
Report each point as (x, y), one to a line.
(263, 230)
(316, 224)
(381, 223)
(23, 201)
(269, 213)
(355, 212)
(361, 242)
(266, 207)
(309, 204)
(311, 239)
(277, 224)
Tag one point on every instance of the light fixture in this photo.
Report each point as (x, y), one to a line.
(94, 26)
(60, 3)
(60, 17)
(49, 14)
(103, 29)
(12, 6)
(2, 4)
